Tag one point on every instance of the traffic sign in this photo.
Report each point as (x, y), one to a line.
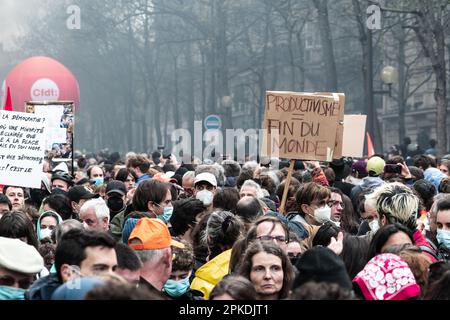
(213, 122)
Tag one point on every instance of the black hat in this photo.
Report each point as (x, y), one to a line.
(76, 193)
(320, 264)
(62, 175)
(116, 186)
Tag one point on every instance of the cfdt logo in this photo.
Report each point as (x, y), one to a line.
(44, 90)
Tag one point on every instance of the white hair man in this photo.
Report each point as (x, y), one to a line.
(94, 214)
(152, 242)
(252, 189)
(188, 183)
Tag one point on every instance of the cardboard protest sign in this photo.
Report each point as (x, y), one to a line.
(353, 141)
(22, 148)
(306, 126)
(60, 124)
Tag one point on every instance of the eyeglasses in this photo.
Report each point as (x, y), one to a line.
(10, 281)
(335, 203)
(280, 239)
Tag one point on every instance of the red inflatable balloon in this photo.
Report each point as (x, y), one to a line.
(40, 79)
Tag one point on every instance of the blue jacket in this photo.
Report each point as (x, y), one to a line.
(43, 288)
(293, 226)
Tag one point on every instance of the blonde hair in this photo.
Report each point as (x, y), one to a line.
(395, 200)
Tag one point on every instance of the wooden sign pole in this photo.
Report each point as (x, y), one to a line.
(286, 186)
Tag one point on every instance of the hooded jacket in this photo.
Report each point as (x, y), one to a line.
(367, 183)
(43, 215)
(208, 275)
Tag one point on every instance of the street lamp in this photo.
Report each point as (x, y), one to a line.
(389, 76)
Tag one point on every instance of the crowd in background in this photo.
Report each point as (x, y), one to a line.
(148, 226)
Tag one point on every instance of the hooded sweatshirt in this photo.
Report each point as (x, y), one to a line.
(43, 215)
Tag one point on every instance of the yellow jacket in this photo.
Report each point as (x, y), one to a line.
(208, 275)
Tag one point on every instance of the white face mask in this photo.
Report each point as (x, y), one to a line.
(322, 214)
(374, 225)
(46, 233)
(205, 196)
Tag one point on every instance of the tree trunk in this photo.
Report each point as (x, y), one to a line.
(190, 97)
(401, 100)
(430, 32)
(222, 59)
(331, 80)
(365, 37)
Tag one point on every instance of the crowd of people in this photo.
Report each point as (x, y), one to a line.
(149, 227)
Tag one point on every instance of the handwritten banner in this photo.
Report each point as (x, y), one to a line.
(306, 126)
(22, 148)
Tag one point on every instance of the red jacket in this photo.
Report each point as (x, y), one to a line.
(419, 240)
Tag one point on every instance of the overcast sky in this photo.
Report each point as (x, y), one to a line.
(14, 15)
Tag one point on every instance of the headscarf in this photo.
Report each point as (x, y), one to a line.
(387, 277)
(43, 215)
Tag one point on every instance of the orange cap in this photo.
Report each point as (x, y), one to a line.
(152, 234)
(161, 177)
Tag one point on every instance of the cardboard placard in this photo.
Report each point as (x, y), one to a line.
(306, 126)
(353, 139)
(22, 148)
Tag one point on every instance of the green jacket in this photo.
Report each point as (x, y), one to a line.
(116, 224)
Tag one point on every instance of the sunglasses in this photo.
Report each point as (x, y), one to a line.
(10, 281)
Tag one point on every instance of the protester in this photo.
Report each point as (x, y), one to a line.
(312, 200)
(116, 193)
(186, 214)
(141, 166)
(47, 222)
(205, 188)
(61, 182)
(5, 204)
(226, 199)
(19, 263)
(60, 204)
(16, 196)
(443, 229)
(386, 277)
(16, 225)
(321, 264)
(177, 287)
(154, 198)
(127, 176)
(78, 195)
(396, 202)
(223, 229)
(374, 167)
(389, 235)
(128, 264)
(233, 288)
(96, 175)
(151, 241)
(268, 268)
(94, 214)
(78, 253)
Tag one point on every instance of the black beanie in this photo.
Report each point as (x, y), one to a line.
(320, 264)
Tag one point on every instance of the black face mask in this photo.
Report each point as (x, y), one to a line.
(115, 204)
(59, 191)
